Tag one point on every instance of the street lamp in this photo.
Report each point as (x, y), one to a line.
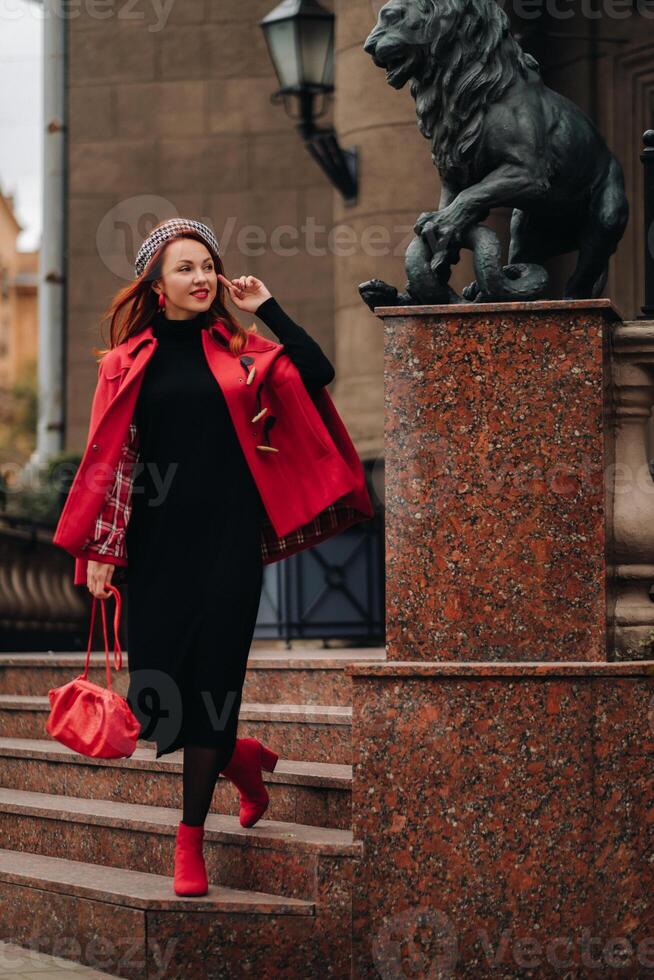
(300, 39)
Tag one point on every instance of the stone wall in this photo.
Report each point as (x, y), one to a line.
(175, 118)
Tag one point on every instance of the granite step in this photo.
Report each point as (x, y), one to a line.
(278, 857)
(312, 793)
(312, 732)
(299, 676)
(131, 923)
(120, 817)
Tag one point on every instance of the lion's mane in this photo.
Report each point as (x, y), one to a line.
(468, 68)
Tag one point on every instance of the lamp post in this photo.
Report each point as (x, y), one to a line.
(300, 39)
(647, 157)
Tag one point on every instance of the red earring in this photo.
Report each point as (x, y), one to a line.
(161, 302)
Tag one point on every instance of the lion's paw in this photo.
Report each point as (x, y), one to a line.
(426, 216)
(471, 291)
(376, 292)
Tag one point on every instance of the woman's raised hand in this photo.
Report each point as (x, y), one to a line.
(247, 292)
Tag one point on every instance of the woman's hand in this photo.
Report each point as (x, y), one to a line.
(98, 575)
(247, 293)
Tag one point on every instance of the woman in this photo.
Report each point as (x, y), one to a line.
(185, 504)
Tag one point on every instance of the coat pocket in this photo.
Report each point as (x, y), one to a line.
(117, 373)
(307, 415)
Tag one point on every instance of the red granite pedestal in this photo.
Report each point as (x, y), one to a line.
(496, 453)
(502, 784)
(507, 817)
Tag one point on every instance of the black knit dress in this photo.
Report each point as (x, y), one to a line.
(194, 539)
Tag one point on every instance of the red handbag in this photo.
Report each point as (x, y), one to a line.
(93, 720)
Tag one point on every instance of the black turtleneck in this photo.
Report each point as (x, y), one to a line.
(307, 355)
(183, 421)
(191, 458)
(165, 328)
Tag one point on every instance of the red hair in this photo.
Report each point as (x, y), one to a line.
(134, 306)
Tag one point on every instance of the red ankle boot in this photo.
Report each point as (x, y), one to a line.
(190, 871)
(244, 770)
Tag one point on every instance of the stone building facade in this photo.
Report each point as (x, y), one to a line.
(175, 118)
(18, 300)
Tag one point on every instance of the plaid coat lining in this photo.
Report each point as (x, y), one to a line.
(108, 537)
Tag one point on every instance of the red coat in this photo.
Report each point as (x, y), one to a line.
(312, 488)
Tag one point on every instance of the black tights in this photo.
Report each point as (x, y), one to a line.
(201, 767)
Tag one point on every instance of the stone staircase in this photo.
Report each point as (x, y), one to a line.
(87, 846)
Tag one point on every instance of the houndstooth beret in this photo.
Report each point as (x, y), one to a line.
(168, 230)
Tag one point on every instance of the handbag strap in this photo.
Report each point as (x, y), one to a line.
(118, 657)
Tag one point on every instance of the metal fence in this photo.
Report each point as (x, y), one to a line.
(332, 591)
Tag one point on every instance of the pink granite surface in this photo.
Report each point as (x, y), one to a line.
(296, 677)
(313, 733)
(496, 449)
(317, 794)
(189, 939)
(294, 861)
(504, 810)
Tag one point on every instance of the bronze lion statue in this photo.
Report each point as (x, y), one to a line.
(499, 137)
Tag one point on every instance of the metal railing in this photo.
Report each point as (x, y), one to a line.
(333, 591)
